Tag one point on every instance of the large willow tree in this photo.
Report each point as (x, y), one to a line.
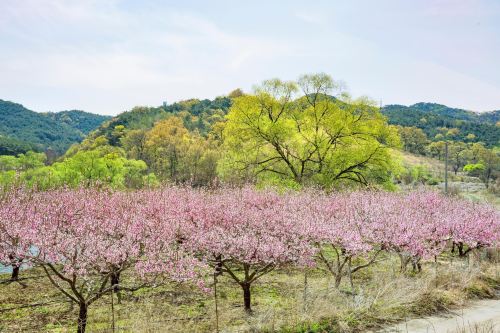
(307, 132)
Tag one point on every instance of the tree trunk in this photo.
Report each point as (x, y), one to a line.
(415, 262)
(247, 297)
(82, 318)
(404, 260)
(338, 279)
(15, 267)
(15, 273)
(115, 283)
(461, 252)
(349, 267)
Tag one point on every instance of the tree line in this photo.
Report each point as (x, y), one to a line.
(285, 133)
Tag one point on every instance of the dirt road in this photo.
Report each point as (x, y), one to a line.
(484, 314)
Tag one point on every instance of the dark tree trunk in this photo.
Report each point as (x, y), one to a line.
(404, 260)
(115, 281)
(82, 318)
(16, 265)
(461, 252)
(247, 300)
(15, 273)
(338, 279)
(417, 267)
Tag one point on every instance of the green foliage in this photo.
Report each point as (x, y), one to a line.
(197, 115)
(22, 162)
(176, 154)
(312, 139)
(103, 165)
(179, 142)
(418, 174)
(414, 139)
(11, 146)
(80, 120)
(22, 130)
(436, 149)
(474, 168)
(438, 121)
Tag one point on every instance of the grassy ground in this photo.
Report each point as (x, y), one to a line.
(382, 295)
(460, 184)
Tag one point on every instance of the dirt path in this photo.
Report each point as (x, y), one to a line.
(484, 314)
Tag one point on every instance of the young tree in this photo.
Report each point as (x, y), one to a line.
(436, 149)
(246, 234)
(166, 146)
(484, 162)
(459, 154)
(82, 240)
(343, 231)
(471, 225)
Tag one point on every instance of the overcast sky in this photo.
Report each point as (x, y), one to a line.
(108, 56)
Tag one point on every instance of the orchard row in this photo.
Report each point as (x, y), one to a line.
(85, 239)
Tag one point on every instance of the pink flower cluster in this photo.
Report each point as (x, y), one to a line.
(176, 231)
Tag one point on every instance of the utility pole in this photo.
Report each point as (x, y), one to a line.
(446, 167)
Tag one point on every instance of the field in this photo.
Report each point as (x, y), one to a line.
(432, 169)
(281, 301)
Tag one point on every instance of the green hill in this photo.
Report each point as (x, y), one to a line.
(80, 120)
(22, 129)
(434, 119)
(197, 115)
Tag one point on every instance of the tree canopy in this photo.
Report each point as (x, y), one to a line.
(298, 132)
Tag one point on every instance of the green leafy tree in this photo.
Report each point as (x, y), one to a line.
(436, 149)
(414, 140)
(458, 154)
(298, 132)
(483, 163)
(103, 165)
(134, 143)
(173, 153)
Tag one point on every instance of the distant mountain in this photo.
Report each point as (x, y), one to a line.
(80, 120)
(432, 118)
(22, 129)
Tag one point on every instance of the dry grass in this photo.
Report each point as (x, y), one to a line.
(487, 327)
(382, 295)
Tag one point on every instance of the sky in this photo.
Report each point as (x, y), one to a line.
(108, 56)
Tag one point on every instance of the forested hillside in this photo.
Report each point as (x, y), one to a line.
(437, 120)
(22, 130)
(82, 121)
(196, 114)
(244, 137)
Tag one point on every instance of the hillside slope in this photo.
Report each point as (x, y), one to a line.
(432, 118)
(22, 129)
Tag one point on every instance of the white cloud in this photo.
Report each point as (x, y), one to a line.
(104, 56)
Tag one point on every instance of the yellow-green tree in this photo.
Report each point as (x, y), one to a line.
(459, 154)
(437, 149)
(166, 144)
(175, 154)
(485, 163)
(298, 133)
(414, 140)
